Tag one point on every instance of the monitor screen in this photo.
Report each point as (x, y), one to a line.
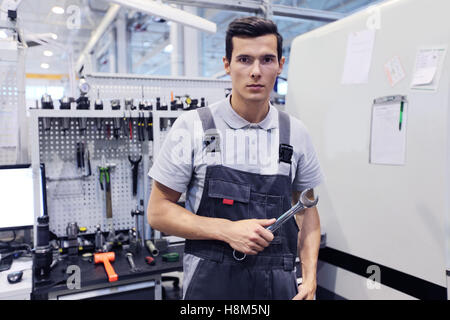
(17, 197)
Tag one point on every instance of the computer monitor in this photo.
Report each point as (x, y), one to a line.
(17, 196)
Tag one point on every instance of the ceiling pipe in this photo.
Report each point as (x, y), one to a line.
(96, 35)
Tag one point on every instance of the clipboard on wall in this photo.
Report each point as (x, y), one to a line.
(388, 129)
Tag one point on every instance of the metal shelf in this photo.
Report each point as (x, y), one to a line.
(55, 113)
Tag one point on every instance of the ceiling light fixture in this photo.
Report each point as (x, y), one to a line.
(169, 13)
(45, 65)
(58, 10)
(48, 53)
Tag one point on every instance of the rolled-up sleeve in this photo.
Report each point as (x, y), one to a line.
(173, 165)
(308, 172)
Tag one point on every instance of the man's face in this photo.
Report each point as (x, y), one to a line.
(254, 67)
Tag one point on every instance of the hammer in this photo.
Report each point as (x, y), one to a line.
(105, 258)
(105, 173)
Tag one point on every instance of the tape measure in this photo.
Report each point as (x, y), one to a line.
(171, 257)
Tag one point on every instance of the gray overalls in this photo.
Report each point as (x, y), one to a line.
(235, 195)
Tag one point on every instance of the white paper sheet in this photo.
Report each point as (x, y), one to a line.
(358, 57)
(388, 136)
(428, 67)
(394, 71)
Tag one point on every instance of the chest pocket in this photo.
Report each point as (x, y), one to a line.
(229, 200)
(234, 201)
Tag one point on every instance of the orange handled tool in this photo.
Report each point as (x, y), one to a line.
(105, 258)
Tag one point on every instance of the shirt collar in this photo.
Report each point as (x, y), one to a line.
(235, 121)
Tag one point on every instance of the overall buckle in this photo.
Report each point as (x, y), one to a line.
(285, 153)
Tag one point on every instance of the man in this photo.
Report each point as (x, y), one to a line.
(250, 164)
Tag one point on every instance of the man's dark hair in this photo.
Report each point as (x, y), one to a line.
(251, 27)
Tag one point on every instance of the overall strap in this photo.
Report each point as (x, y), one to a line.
(206, 118)
(285, 149)
(211, 136)
(284, 125)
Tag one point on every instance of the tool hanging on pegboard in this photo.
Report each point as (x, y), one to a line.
(145, 104)
(129, 104)
(47, 103)
(115, 104)
(105, 176)
(150, 126)
(83, 102)
(124, 125)
(134, 172)
(98, 104)
(141, 126)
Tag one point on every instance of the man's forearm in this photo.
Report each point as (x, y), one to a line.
(248, 236)
(309, 243)
(175, 220)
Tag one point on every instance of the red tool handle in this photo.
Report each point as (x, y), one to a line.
(150, 260)
(112, 275)
(130, 127)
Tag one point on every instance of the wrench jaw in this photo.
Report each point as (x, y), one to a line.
(308, 199)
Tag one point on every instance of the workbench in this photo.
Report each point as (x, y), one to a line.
(143, 285)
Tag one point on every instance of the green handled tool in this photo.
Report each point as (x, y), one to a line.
(171, 257)
(104, 175)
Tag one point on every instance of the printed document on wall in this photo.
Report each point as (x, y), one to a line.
(428, 67)
(388, 134)
(394, 71)
(358, 57)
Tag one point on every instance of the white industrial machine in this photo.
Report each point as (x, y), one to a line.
(373, 89)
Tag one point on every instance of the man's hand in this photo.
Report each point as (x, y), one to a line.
(249, 236)
(306, 291)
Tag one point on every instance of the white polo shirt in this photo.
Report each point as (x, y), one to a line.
(181, 162)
